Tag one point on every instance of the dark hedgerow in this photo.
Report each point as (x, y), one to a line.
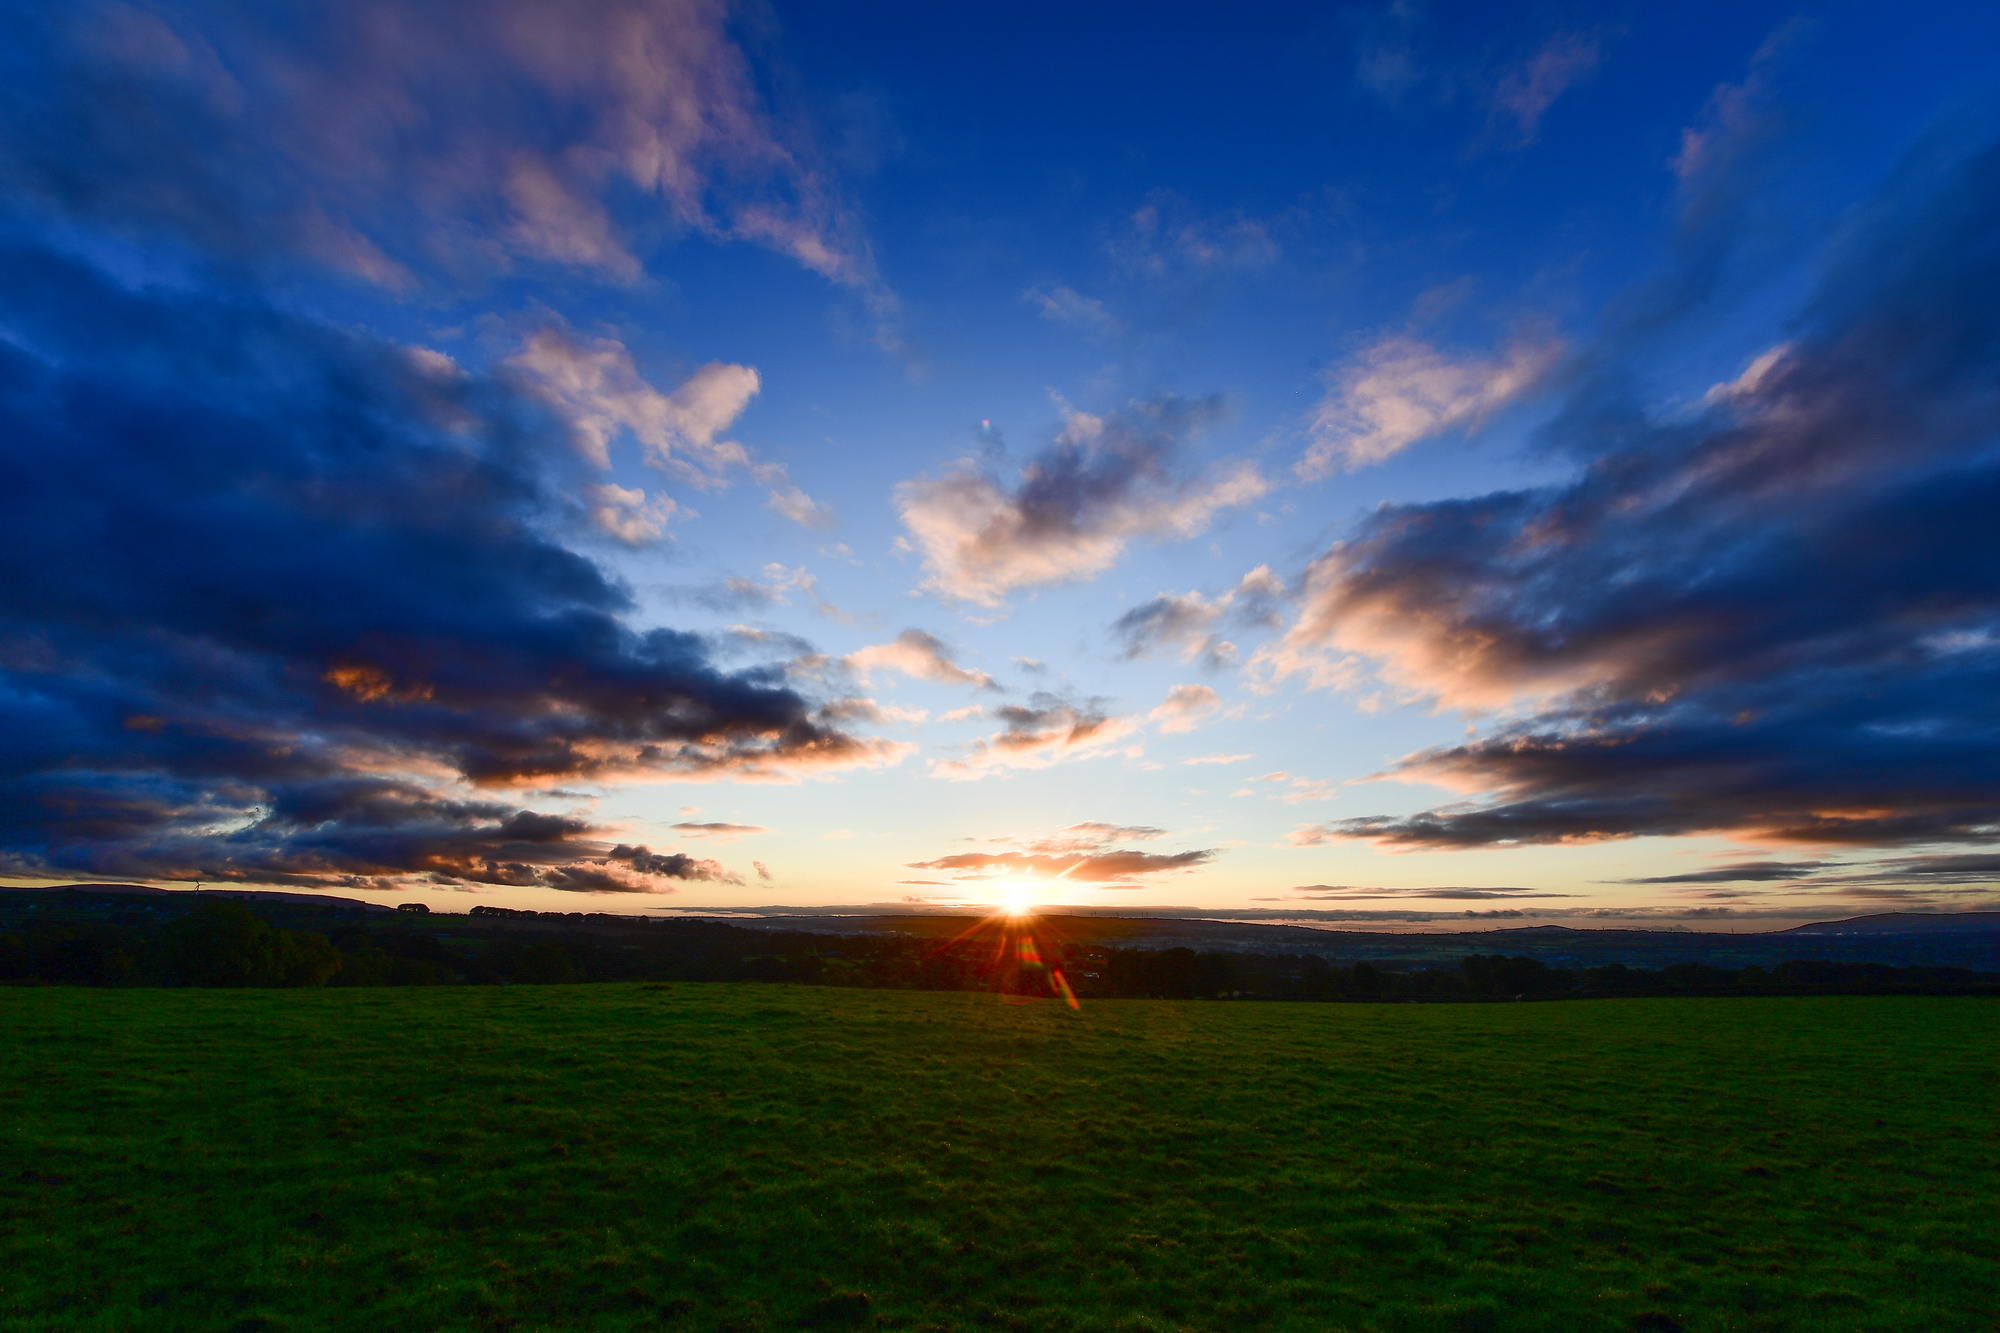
(107, 939)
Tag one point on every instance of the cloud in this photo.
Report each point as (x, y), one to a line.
(1185, 707)
(1770, 615)
(1527, 91)
(1096, 868)
(1301, 791)
(403, 144)
(763, 871)
(852, 710)
(1401, 391)
(917, 654)
(626, 513)
(1337, 892)
(1082, 853)
(1189, 622)
(1165, 235)
(1741, 872)
(1386, 61)
(1735, 124)
(721, 832)
(1048, 730)
(321, 831)
(1089, 836)
(1065, 306)
(1219, 759)
(1105, 481)
(1733, 225)
(801, 508)
(596, 389)
(677, 865)
(599, 392)
(256, 564)
(775, 585)
(1931, 872)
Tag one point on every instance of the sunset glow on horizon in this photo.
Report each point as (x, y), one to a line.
(1016, 899)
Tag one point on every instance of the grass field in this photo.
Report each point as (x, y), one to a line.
(770, 1157)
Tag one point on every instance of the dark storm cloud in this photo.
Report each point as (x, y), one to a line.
(253, 563)
(1774, 615)
(350, 831)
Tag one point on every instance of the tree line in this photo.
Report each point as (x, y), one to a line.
(224, 943)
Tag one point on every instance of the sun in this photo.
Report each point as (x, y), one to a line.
(1016, 899)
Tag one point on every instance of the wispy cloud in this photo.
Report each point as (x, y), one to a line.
(1387, 62)
(1191, 623)
(1401, 391)
(1099, 869)
(775, 585)
(1339, 892)
(1082, 854)
(1064, 305)
(625, 512)
(1048, 730)
(600, 393)
(1166, 235)
(404, 143)
(917, 654)
(1185, 708)
(1106, 481)
(1741, 872)
(1527, 90)
(720, 832)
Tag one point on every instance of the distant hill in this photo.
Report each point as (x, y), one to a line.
(1905, 923)
(248, 895)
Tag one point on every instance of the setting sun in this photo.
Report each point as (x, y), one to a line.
(1016, 899)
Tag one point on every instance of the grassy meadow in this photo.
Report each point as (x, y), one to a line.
(744, 1157)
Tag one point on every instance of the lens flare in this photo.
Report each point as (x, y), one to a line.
(1016, 950)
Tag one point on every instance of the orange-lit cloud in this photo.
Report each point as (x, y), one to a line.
(1048, 730)
(1401, 391)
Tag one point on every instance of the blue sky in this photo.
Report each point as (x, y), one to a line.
(1406, 465)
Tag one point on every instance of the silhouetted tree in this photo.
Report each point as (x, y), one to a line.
(226, 944)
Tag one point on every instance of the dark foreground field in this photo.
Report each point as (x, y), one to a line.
(761, 1157)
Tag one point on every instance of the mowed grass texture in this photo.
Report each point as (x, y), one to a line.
(771, 1157)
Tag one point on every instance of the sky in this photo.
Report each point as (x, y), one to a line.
(1417, 466)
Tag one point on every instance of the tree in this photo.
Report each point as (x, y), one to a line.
(226, 944)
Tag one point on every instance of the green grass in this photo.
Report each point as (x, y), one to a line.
(745, 1157)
